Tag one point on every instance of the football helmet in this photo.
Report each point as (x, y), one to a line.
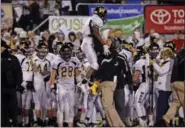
(153, 49)
(24, 42)
(66, 52)
(115, 45)
(101, 12)
(26, 50)
(42, 50)
(171, 45)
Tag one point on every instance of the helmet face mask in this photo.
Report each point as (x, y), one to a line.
(42, 53)
(29, 52)
(102, 13)
(66, 53)
(154, 51)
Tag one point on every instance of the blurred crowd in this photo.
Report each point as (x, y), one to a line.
(29, 14)
(13, 38)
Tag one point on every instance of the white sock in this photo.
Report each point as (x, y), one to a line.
(151, 120)
(34, 116)
(26, 120)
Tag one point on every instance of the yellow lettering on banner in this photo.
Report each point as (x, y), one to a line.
(71, 23)
(77, 24)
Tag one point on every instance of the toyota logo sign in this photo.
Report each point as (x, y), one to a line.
(160, 16)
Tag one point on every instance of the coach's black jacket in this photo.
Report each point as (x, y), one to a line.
(11, 79)
(178, 73)
(11, 72)
(115, 65)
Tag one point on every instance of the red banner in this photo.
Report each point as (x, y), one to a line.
(164, 19)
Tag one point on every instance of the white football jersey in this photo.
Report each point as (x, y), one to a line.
(50, 56)
(128, 56)
(42, 65)
(96, 20)
(84, 67)
(27, 69)
(65, 71)
(140, 65)
(20, 57)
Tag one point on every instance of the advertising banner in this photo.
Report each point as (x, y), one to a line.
(165, 19)
(124, 17)
(67, 23)
(6, 15)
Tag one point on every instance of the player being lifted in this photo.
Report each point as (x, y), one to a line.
(93, 43)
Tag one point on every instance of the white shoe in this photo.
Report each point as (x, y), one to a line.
(142, 122)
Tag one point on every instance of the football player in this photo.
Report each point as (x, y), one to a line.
(65, 71)
(93, 42)
(27, 69)
(82, 91)
(90, 102)
(50, 97)
(129, 51)
(41, 68)
(141, 88)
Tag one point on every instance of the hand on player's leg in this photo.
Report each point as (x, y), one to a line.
(94, 87)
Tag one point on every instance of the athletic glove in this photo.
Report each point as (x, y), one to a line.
(106, 50)
(151, 62)
(30, 86)
(46, 78)
(45, 73)
(20, 89)
(94, 87)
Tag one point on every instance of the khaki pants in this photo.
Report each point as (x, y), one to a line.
(178, 96)
(107, 94)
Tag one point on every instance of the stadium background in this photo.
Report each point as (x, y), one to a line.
(15, 13)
